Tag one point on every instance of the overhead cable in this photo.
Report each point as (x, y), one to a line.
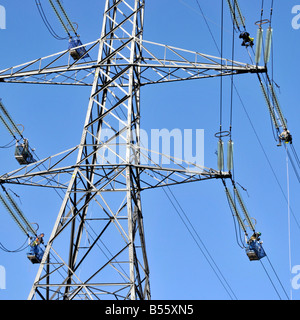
(203, 250)
(60, 18)
(66, 16)
(10, 124)
(261, 147)
(46, 22)
(14, 216)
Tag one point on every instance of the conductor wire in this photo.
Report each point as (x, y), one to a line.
(221, 77)
(289, 215)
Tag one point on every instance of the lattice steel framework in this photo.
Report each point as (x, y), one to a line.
(97, 247)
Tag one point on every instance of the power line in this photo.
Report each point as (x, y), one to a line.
(8, 145)
(46, 22)
(269, 87)
(22, 248)
(232, 78)
(265, 154)
(204, 251)
(276, 277)
(249, 120)
(60, 18)
(66, 17)
(208, 27)
(288, 212)
(221, 78)
(293, 164)
(206, 255)
(270, 279)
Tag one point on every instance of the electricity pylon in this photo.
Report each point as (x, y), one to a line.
(97, 247)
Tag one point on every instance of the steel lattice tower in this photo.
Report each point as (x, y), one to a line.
(97, 246)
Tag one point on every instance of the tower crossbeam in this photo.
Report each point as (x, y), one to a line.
(159, 64)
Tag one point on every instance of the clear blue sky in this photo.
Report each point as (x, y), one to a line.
(53, 118)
